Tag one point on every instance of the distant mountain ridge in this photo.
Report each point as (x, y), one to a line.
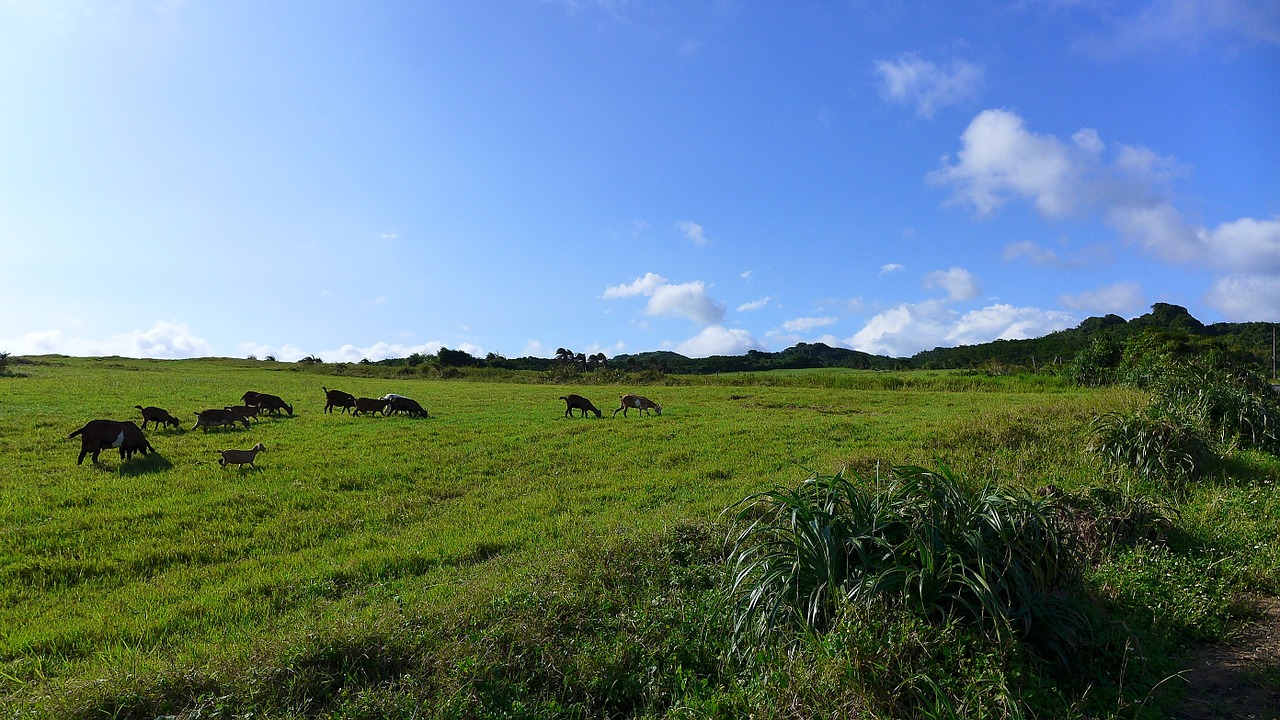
(1251, 340)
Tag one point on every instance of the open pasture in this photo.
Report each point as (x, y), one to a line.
(121, 567)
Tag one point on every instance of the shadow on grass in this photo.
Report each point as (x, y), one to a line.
(147, 465)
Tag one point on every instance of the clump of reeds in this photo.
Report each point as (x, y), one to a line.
(922, 542)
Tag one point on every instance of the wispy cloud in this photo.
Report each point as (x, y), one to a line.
(958, 283)
(798, 325)
(888, 268)
(1160, 26)
(693, 231)
(1118, 298)
(911, 80)
(754, 304)
(640, 286)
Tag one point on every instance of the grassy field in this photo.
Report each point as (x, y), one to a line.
(117, 581)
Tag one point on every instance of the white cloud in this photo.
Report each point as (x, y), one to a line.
(910, 80)
(905, 330)
(798, 325)
(754, 304)
(958, 283)
(1246, 298)
(1001, 161)
(1158, 228)
(718, 340)
(1118, 299)
(1006, 322)
(168, 340)
(1246, 245)
(641, 286)
(745, 275)
(914, 327)
(693, 231)
(1250, 251)
(689, 300)
(890, 268)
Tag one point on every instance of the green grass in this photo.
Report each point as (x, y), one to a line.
(498, 556)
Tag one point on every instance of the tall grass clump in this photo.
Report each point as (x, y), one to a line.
(922, 543)
(1233, 406)
(1159, 445)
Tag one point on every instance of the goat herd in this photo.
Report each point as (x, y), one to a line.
(127, 437)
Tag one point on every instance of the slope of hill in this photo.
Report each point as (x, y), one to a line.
(1251, 341)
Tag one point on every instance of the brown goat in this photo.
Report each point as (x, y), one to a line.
(638, 402)
(337, 398)
(215, 418)
(240, 458)
(371, 405)
(99, 435)
(572, 402)
(156, 415)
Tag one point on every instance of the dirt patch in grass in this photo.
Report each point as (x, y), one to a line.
(1240, 678)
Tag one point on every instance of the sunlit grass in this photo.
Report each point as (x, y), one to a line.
(365, 528)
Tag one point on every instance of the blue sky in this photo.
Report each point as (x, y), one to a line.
(366, 180)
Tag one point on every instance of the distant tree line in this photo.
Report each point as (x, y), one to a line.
(1053, 353)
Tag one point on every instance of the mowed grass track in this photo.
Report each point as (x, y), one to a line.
(121, 566)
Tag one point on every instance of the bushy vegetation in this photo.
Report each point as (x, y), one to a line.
(1205, 403)
(990, 558)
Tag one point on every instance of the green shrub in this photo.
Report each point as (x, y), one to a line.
(1095, 366)
(991, 558)
(1232, 405)
(1154, 444)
